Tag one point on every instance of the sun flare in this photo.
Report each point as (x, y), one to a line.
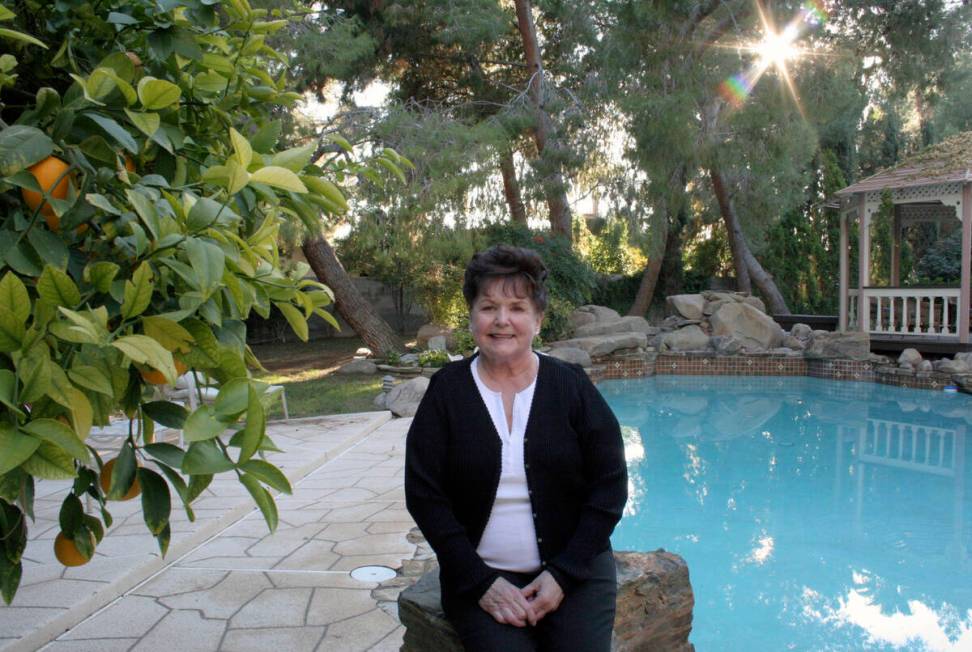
(777, 48)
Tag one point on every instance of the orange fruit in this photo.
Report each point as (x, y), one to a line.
(105, 481)
(47, 173)
(67, 553)
(156, 377)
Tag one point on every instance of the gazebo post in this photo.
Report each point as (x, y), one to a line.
(864, 263)
(964, 294)
(844, 273)
(896, 247)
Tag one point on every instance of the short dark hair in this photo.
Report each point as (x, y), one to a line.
(518, 265)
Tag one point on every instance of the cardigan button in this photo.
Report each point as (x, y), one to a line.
(534, 514)
(539, 539)
(526, 466)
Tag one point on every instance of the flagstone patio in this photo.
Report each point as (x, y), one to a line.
(226, 583)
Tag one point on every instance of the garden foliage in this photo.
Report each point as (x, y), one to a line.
(162, 242)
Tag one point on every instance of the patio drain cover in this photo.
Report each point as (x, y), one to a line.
(372, 573)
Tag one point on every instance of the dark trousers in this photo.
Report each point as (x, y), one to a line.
(583, 622)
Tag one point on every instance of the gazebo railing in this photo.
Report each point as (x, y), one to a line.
(907, 311)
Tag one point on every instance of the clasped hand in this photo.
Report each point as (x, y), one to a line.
(520, 607)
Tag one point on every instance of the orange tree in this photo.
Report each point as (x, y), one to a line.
(141, 191)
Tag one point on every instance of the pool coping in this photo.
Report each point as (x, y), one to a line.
(703, 363)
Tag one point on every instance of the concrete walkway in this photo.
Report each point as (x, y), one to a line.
(226, 584)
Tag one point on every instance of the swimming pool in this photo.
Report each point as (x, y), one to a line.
(813, 514)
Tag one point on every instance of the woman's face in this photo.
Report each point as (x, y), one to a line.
(502, 323)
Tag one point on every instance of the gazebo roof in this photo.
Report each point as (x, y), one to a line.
(947, 162)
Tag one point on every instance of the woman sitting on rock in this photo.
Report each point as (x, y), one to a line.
(515, 474)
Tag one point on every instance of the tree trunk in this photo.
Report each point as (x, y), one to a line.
(544, 134)
(748, 269)
(350, 304)
(511, 188)
(646, 290)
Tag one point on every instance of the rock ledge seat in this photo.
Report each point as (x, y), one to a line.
(654, 608)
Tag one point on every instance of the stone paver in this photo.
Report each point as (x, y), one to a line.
(196, 596)
(245, 589)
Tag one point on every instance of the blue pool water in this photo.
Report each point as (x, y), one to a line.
(813, 514)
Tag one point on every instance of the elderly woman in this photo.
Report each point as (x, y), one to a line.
(515, 473)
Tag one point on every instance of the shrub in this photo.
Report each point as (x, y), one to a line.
(942, 262)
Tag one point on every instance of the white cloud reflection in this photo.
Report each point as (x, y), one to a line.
(922, 628)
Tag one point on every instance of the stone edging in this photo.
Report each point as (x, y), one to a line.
(706, 364)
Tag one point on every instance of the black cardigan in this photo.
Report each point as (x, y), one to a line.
(575, 468)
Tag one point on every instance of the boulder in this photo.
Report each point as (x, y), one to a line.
(582, 316)
(359, 366)
(726, 344)
(687, 305)
(569, 354)
(622, 325)
(409, 360)
(380, 401)
(925, 366)
(363, 352)
(712, 306)
(794, 343)
(755, 302)
(965, 357)
(802, 332)
(849, 346)
(957, 366)
(909, 358)
(437, 343)
(747, 324)
(690, 338)
(654, 608)
(604, 344)
(429, 331)
(403, 400)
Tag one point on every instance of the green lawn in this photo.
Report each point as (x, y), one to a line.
(307, 371)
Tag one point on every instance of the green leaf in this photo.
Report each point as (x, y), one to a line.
(242, 151)
(13, 296)
(202, 425)
(231, 401)
(294, 159)
(35, 375)
(147, 123)
(156, 500)
(265, 139)
(209, 82)
(256, 425)
(166, 332)
(236, 177)
(166, 453)
(100, 275)
(51, 247)
(204, 458)
(70, 516)
(341, 142)
(391, 167)
(208, 262)
(262, 498)
(203, 213)
(268, 474)
(179, 483)
(294, 318)
(145, 350)
(12, 331)
(122, 473)
(168, 414)
(278, 177)
(114, 130)
(20, 36)
(157, 94)
(328, 190)
(49, 462)
(198, 484)
(57, 287)
(91, 378)
(60, 435)
(82, 330)
(16, 446)
(103, 81)
(138, 292)
(118, 18)
(22, 146)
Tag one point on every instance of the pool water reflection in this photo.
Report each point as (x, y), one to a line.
(813, 514)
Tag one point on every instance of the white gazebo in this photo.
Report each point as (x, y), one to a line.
(934, 185)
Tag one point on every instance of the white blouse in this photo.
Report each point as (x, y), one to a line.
(509, 541)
